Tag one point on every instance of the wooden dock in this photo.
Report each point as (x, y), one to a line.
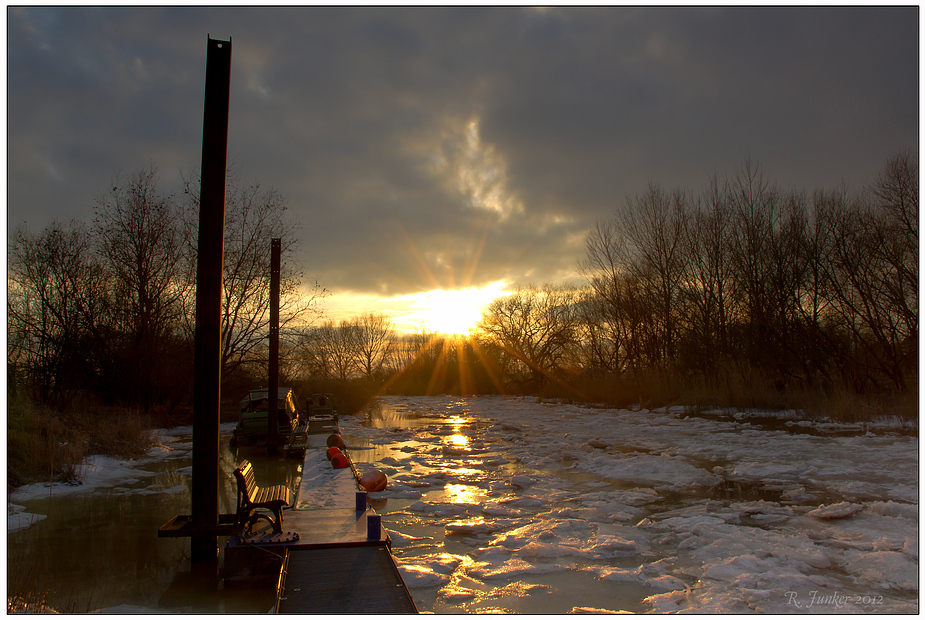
(325, 560)
(342, 580)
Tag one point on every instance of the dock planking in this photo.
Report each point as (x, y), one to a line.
(354, 580)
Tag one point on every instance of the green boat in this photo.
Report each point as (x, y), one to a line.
(252, 427)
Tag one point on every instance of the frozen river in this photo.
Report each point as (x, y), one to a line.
(514, 505)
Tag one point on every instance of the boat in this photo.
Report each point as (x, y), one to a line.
(252, 427)
(322, 417)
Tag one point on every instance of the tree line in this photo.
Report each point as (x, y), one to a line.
(740, 280)
(805, 289)
(107, 309)
(743, 277)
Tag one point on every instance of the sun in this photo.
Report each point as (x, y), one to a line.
(453, 312)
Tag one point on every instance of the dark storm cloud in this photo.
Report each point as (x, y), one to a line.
(424, 147)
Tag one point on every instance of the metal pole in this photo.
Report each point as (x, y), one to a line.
(273, 371)
(208, 349)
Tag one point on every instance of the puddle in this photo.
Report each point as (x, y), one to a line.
(747, 491)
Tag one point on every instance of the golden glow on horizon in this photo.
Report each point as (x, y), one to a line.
(453, 311)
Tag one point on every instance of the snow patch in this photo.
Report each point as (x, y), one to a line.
(17, 519)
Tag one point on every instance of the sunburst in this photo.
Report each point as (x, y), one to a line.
(453, 312)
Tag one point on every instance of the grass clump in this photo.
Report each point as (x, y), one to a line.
(47, 445)
(118, 433)
(42, 446)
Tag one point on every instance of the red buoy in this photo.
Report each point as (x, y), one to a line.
(336, 441)
(332, 451)
(373, 481)
(339, 460)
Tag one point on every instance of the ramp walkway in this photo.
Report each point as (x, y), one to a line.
(342, 580)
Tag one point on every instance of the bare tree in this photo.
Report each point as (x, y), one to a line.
(707, 283)
(598, 343)
(56, 304)
(756, 207)
(330, 349)
(417, 347)
(894, 198)
(534, 327)
(872, 277)
(604, 267)
(139, 239)
(253, 217)
(652, 225)
(374, 334)
(766, 279)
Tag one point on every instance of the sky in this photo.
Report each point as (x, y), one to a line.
(427, 151)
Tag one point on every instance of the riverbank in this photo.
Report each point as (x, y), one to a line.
(739, 389)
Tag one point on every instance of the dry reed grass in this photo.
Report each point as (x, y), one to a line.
(45, 445)
(737, 388)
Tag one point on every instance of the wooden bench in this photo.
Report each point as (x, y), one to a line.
(252, 499)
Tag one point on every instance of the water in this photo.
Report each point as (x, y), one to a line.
(99, 549)
(561, 531)
(461, 457)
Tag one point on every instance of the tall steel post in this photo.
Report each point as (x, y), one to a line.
(273, 370)
(208, 349)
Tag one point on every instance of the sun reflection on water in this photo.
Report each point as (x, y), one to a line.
(461, 493)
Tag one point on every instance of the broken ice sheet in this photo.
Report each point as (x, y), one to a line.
(618, 541)
(406, 540)
(18, 519)
(509, 569)
(469, 527)
(750, 547)
(840, 510)
(416, 576)
(570, 532)
(665, 472)
(650, 575)
(882, 569)
(454, 593)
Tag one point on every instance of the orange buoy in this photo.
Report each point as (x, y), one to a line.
(336, 441)
(340, 460)
(373, 481)
(332, 451)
